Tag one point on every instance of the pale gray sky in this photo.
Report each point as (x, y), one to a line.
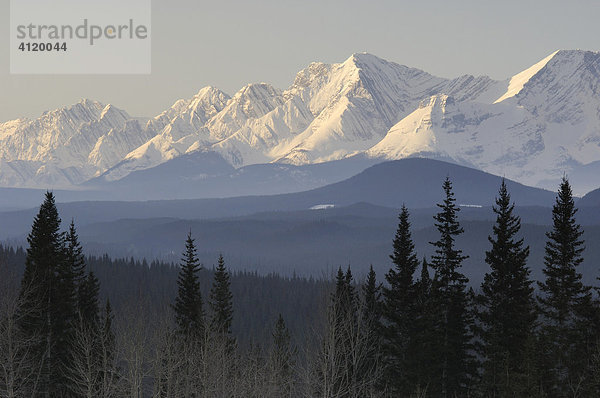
(231, 43)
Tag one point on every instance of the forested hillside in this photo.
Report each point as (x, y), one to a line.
(79, 326)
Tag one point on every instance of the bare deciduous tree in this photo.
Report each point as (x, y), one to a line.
(84, 370)
(20, 371)
(345, 365)
(134, 350)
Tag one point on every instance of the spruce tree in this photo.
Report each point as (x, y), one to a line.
(371, 330)
(423, 359)
(70, 274)
(221, 304)
(506, 304)
(423, 285)
(282, 360)
(74, 254)
(372, 299)
(455, 322)
(566, 303)
(399, 309)
(189, 313)
(89, 308)
(75, 263)
(344, 307)
(282, 351)
(48, 296)
(349, 301)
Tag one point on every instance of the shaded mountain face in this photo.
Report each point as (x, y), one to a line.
(533, 127)
(591, 199)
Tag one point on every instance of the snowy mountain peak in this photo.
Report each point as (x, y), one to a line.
(571, 64)
(112, 112)
(83, 110)
(368, 62)
(561, 68)
(209, 91)
(308, 75)
(255, 91)
(544, 125)
(518, 81)
(532, 127)
(208, 102)
(577, 55)
(251, 102)
(364, 59)
(210, 95)
(566, 89)
(87, 103)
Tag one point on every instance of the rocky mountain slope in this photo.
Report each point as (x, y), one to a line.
(546, 124)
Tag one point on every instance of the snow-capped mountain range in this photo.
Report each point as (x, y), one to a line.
(533, 127)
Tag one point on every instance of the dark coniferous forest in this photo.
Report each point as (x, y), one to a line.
(81, 326)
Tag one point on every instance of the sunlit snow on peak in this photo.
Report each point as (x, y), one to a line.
(519, 80)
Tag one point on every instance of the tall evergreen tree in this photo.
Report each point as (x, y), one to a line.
(189, 313)
(423, 285)
(282, 359)
(48, 293)
(86, 352)
(371, 330)
(89, 309)
(372, 299)
(566, 303)
(423, 359)
(349, 294)
(70, 273)
(506, 304)
(344, 308)
(343, 299)
(449, 292)
(221, 303)
(399, 309)
(75, 265)
(66, 316)
(74, 254)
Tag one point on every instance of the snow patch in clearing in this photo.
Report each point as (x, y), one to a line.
(322, 207)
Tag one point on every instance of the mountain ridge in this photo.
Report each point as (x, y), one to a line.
(415, 182)
(532, 127)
